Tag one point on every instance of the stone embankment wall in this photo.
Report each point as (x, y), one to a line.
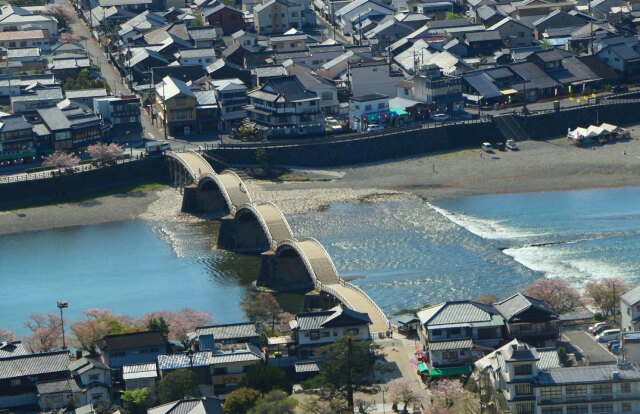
(85, 184)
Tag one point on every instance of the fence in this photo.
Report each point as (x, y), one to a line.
(55, 172)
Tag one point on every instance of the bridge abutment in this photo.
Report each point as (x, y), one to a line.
(242, 236)
(283, 274)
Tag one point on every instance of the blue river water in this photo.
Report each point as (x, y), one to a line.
(403, 253)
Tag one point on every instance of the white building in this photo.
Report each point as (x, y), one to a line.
(232, 99)
(13, 18)
(630, 310)
(202, 57)
(368, 109)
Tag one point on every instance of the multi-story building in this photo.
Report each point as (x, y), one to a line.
(278, 16)
(529, 320)
(131, 348)
(122, 114)
(368, 109)
(175, 105)
(16, 138)
(630, 310)
(284, 107)
(532, 381)
(430, 87)
(67, 129)
(232, 99)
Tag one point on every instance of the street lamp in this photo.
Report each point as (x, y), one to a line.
(61, 305)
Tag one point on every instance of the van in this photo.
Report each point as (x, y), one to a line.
(374, 127)
(608, 335)
(157, 146)
(486, 147)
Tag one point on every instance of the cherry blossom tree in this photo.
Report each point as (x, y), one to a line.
(105, 153)
(402, 391)
(557, 293)
(488, 299)
(446, 393)
(6, 335)
(65, 14)
(261, 307)
(180, 323)
(97, 324)
(61, 159)
(46, 332)
(605, 293)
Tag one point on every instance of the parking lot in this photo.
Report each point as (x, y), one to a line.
(584, 346)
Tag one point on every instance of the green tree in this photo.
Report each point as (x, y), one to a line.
(159, 325)
(135, 401)
(261, 307)
(545, 44)
(337, 358)
(451, 16)
(106, 406)
(265, 378)
(275, 402)
(241, 400)
(262, 159)
(563, 356)
(197, 22)
(178, 384)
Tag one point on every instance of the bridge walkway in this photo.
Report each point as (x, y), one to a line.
(195, 163)
(359, 301)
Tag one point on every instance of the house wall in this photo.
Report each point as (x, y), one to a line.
(134, 356)
(628, 314)
(228, 20)
(566, 396)
(373, 79)
(202, 61)
(330, 335)
(450, 358)
(515, 34)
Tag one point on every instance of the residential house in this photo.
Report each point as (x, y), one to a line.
(278, 16)
(189, 406)
(175, 105)
(19, 375)
(624, 58)
(287, 42)
(219, 371)
(357, 11)
(225, 70)
(26, 39)
(34, 97)
(436, 10)
(205, 36)
(529, 320)
(120, 114)
(247, 40)
(143, 375)
(325, 89)
(450, 331)
(555, 19)
(64, 68)
(141, 62)
(207, 111)
(630, 310)
(14, 18)
(283, 107)
(16, 142)
(93, 377)
(210, 337)
(384, 34)
(532, 381)
(131, 348)
(12, 348)
(374, 77)
(135, 6)
(314, 329)
(203, 57)
(513, 32)
(368, 109)
(229, 19)
(69, 129)
(85, 97)
(483, 43)
(488, 16)
(231, 95)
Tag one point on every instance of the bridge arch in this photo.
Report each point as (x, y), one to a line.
(261, 226)
(193, 163)
(222, 192)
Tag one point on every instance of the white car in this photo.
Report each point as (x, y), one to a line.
(330, 120)
(440, 117)
(595, 327)
(608, 335)
(374, 127)
(486, 147)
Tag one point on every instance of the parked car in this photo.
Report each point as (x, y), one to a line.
(615, 349)
(374, 127)
(619, 89)
(599, 330)
(511, 144)
(500, 146)
(440, 117)
(608, 335)
(595, 327)
(610, 344)
(486, 147)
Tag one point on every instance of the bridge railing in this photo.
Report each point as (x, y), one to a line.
(54, 172)
(337, 295)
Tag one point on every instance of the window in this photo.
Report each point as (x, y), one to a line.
(96, 397)
(181, 101)
(94, 377)
(15, 382)
(625, 387)
(523, 369)
(292, 45)
(552, 410)
(601, 389)
(550, 392)
(315, 335)
(577, 409)
(352, 332)
(452, 331)
(382, 105)
(626, 407)
(602, 409)
(526, 408)
(219, 371)
(367, 107)
(326, 96)
(637, 308)
(523, 389)
(436, 332)
(325, 334)
(576, 391)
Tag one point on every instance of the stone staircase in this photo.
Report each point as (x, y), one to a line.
(510, 128)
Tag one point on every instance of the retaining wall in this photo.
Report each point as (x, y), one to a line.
(91, 183)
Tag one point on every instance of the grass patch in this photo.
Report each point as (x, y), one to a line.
(292, 177)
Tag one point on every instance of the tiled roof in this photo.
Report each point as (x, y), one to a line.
(588, 374)
(133, 371)
(52, 387)
(23, 35)
(307, 366)
(12, 348)
(85, 364)
(548, 358)
(632, 296)
(189, 406)
(229, 331)
(450, 345)
(457, 312)
(518, 303)
(338, 316)
(34, 364)
(131, 340)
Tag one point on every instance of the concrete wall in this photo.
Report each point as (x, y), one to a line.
(81, 185)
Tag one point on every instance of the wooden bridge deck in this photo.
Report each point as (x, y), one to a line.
(361, 303)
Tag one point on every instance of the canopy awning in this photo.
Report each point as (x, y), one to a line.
(399, 112)
(508, 91)
(449, 372)
(423, 367)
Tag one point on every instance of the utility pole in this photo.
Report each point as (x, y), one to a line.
(349, 383)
